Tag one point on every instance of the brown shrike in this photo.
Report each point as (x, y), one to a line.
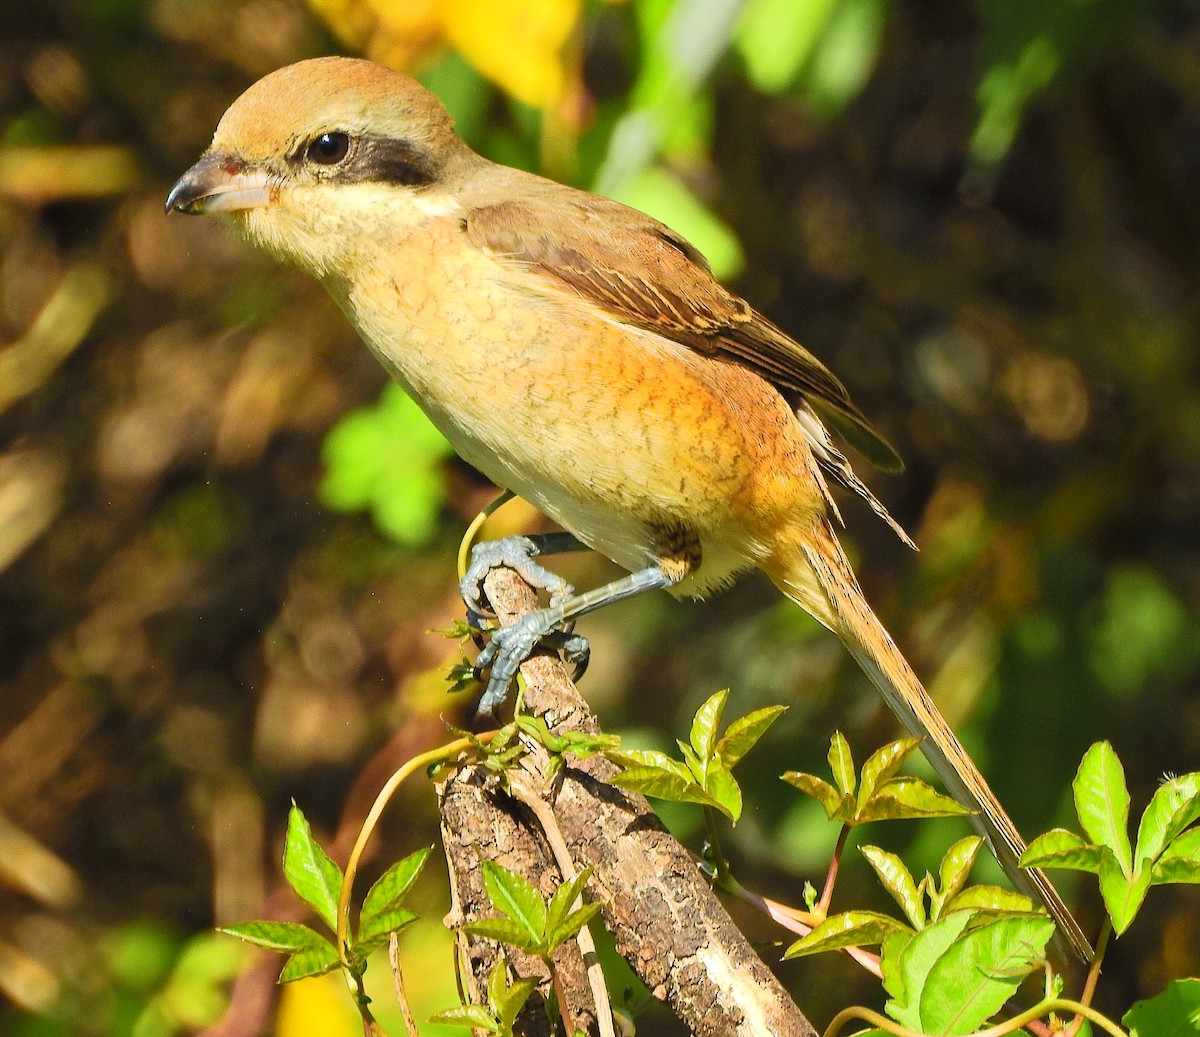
(581, 355)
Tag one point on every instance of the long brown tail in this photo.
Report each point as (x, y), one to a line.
(824, 585)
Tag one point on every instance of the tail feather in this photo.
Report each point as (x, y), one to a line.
(825, 586)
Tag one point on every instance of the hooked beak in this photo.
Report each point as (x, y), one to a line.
(219, 183)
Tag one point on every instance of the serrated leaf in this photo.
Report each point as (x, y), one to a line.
(889, 961)
(883, 765)
(1059, 848)
(509, 1005)
(697, 767)
(505, 930)
(908, 798)
(956, 867)
(651, 758)
(743, 734)
(849, 929)
(564, 898)
(911, 971)
(311, 961)
(725, 791)
(275, 936)
(392, 886)
(706, 722)
(1102, 802)
(990, 899)
(1173, 1013)
(898, 881)
(841, 764)
(1122, 894)
(980, 972)
(475, 1016)
(1174, 806)
(835, 805)
(651, 781)
(1180, 861)
(309, 869)
(567, 929)
(379, 927)
(515, 896)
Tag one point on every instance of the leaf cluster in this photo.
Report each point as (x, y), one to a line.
(527, 921)
(1167, 848)
(317, 880)
(704, 775)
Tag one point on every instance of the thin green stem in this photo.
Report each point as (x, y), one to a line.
(439, 755)
(1009, 1026)
(831, 876)
(720, 862)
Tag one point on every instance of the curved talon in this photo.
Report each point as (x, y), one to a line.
(512, 645)
(517, 553)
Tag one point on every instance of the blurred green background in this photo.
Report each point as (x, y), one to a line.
(223, 550)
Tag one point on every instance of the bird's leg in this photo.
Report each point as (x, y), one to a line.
(517, 553)
(512, 645)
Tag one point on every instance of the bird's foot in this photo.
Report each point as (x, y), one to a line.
(510, 646)
(517, 553)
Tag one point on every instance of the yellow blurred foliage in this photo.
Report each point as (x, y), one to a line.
(521, 45)
(317, 1007)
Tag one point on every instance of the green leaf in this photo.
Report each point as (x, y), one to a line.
(513, 895)
(908, 798)
(564, 898)
(652, 758)
(311, 961)
(379, 927)
(956, 867)
(386, 458)
(1102, 802)
(980, 972)
(1180, 861)
(567, 929)
(392, 886)
(309, 870)
(1122, 894)
(910, 973)
(882, 766)
(286, 937)
(743, 734)
(898, 881)
(505, 930)
(850, 929)
(841, 763)
(725, 791)
(1059, 848)
(705, 723)
(651, 781)
(832, 802)
(990, 900)
(890, 952)
(1173, 1013)
(508, 1005)
(475, 1016)
(1174, 805)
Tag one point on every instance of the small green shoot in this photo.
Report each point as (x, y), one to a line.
(704, 775)
(528, 922)
(880, 794)
(317, 880)
(504, 1003)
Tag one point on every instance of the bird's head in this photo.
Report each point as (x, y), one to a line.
(322, 156)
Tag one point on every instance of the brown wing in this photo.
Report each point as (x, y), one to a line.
(644, 274)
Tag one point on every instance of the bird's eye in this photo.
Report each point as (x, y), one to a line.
(328, 149)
